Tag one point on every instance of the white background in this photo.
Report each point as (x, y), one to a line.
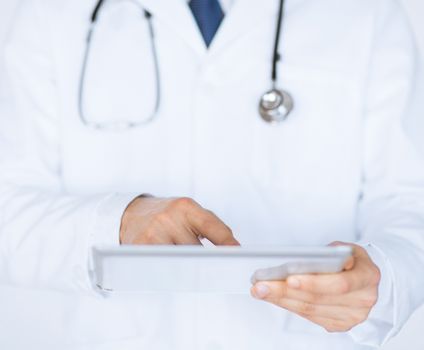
(411, 337)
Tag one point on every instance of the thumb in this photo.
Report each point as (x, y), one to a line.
(350, 262)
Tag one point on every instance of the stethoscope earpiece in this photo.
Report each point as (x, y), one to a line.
(275, 106)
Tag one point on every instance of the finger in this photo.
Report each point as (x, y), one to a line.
(350, 262)
(279, 289)
(182, 236)
(330, 284)
(350, 314)
(208, 225)
(269, 292)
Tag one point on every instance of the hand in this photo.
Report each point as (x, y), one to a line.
(149, 220)
(337, 302)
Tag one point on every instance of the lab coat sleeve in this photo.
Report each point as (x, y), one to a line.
(391, 211)
(46, 234)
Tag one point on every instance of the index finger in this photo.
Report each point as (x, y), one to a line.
(208, 225)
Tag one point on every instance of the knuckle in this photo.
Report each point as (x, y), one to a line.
(374, 296)
(356, 319)
(183, 203)
(370, 300)
(330, 328)
(366, 302)
(314, 298)
(283, 292)
(306, 308)
(336, 326)
(308, 283)
(344, 285)
(149, 235)
(376, 276)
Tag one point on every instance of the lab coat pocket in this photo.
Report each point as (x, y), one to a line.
(316, 149)
(307, 169)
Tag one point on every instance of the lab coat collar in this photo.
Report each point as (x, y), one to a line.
(177, 14)
(245, 16)
(241, 18)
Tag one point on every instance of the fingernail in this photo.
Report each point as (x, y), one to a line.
(261, 291)
(293, 283)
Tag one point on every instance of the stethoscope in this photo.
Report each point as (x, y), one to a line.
(274, 106)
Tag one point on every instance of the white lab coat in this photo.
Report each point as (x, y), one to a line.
(341, 168)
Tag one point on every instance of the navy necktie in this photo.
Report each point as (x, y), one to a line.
(208, 15)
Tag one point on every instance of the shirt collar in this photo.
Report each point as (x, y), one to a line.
(225, 4)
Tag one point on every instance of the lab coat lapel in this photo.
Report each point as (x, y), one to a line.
(177, 15)
(243, 16)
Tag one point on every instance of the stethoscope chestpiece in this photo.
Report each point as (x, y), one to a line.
(275, 106)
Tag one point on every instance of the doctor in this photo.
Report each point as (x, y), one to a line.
(117, 99)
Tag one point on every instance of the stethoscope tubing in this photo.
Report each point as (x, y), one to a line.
(276, 55)
(86, 57)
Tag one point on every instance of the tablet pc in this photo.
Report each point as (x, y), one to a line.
(197, 269)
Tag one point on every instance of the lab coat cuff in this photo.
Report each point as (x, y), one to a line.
(108, 219)
(380, 325)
